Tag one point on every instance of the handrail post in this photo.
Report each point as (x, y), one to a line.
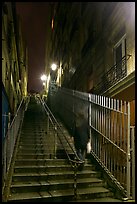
(55, 138)
(89, 115)
(47, 123)
(75, 181)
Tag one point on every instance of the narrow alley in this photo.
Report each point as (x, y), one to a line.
(68, 102)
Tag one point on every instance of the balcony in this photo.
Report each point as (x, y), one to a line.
(113, 76)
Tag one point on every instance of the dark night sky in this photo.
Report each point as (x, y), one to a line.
(34, 25)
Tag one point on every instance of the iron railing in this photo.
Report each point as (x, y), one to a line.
(60, 137)
(10, 141)
(111, 77)
(132, 149)
(110, 138)
(109, 121)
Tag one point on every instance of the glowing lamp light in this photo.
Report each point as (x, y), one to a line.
(43, 77)
(44, 83)
(53, 67)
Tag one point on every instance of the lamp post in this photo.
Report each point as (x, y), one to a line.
(44, 79)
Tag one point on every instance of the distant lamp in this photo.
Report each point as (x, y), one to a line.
(43, 77)
(53, 67)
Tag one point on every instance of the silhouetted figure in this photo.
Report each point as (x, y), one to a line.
(81, 135)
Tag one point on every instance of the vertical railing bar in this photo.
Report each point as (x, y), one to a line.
(47, 123)
(99, 127)
(96, 111)
(93, 121)
(96, 126)
(128, 151)
(113, 135)
(91, 105)
(133, 161)
(125, 125)
(109, 112)
(101, 142)
(121, 141)
(96, 122)
(106, 132)
(115, 119)
(89, 116)
(97, 115)
(93, 111)
(92, 118)
(55, 140)
(104, 114)
(100, 113)
(119, 132)
(124, 142)
(112, 121)
(117, 139)
(103, 148)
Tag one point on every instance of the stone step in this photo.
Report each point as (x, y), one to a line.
(29, 169)
(31, 146)
(40, 176)
(60, 195)
(41, 161)
(58, 151)
(36, 156)
(35, 151)
(44, 162)
(47, 168)
(49, 185)
(39, 138)
(104, 200)
(34, 143)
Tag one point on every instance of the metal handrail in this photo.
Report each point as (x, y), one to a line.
(52, 118)
(10, 139)
(74, 162)
(109, 119)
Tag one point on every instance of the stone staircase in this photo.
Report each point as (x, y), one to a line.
(39, 175)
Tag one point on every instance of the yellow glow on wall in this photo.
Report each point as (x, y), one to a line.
(52, 24)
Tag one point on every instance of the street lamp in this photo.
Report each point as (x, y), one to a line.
(43, 77)
(53, 67)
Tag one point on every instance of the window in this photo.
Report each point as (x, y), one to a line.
(119, 54)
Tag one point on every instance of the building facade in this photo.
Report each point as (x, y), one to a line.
(14, 63)
(94, 46)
